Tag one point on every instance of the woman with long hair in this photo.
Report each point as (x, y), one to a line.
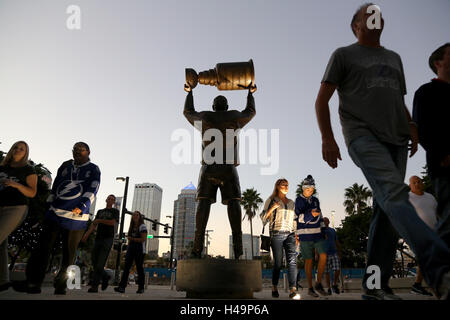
(279, 212)
(18, 183)
(137, 237)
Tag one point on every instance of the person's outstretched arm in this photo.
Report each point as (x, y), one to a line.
(189, 110)
(330, 149)
(250, 111)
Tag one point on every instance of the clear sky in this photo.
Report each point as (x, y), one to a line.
(117, 84)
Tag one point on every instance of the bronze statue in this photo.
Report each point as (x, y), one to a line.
(218, 170)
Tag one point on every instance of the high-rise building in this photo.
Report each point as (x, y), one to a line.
(147, 200)
(184, 210)
(246, 247)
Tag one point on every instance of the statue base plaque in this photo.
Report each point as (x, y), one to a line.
(219, 279)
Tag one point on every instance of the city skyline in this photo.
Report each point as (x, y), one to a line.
(117, 84)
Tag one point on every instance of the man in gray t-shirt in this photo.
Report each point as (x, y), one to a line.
(371, 86)
(377, 126)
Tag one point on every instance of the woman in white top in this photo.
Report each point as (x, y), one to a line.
(279, 212)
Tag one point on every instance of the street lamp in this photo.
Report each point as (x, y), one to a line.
(332, 218)
(122, 220)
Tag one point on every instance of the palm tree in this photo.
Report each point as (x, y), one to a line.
(356, 198)
(251, 201)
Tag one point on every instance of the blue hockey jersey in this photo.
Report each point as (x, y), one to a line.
(309, 228)
(74, 187)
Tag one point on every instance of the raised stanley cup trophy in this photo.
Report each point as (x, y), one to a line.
(211, 278)
(225, 76)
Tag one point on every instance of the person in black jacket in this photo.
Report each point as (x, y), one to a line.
(431, 112)
(137, 238)
(105, 222)
(219, 170)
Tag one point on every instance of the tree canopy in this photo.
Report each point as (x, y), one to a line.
(251, 201)
(354, 233)
(356, 198)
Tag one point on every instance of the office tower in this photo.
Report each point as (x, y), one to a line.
(147, 200)
(184, 213)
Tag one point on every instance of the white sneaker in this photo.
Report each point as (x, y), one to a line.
(294, 296)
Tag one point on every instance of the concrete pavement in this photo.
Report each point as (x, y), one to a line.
(158, 292)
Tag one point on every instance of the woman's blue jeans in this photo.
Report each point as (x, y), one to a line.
(279, 242)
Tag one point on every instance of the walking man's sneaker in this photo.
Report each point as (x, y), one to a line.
(380, 294)
(20, 286)
(140, 290)
(60, 291)
(119, 289)
(319, 289)
(34, 290)
(312, 293)
(93, 289)
(336, 289)
(329, 291)
(24, 286)
(275, 294)
(294, 295)
(105, 282)
(418, 289)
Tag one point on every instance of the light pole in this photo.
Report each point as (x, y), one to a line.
(122, 220)
(172, 240)
(332, 218)
(207, 240)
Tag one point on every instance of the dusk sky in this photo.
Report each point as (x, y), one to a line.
(117, 84)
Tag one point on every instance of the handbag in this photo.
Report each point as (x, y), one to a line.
(266, 240)
(265, 243)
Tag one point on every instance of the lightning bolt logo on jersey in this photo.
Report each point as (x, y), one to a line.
(69, 190)
(74, 187)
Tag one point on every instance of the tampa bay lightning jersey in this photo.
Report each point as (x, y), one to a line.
(74, 187)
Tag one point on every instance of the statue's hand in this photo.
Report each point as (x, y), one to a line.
(251, 87)
(187, 87)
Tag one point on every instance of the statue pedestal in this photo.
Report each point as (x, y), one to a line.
(219, 279)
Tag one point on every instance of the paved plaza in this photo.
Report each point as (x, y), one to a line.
(157, 292)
